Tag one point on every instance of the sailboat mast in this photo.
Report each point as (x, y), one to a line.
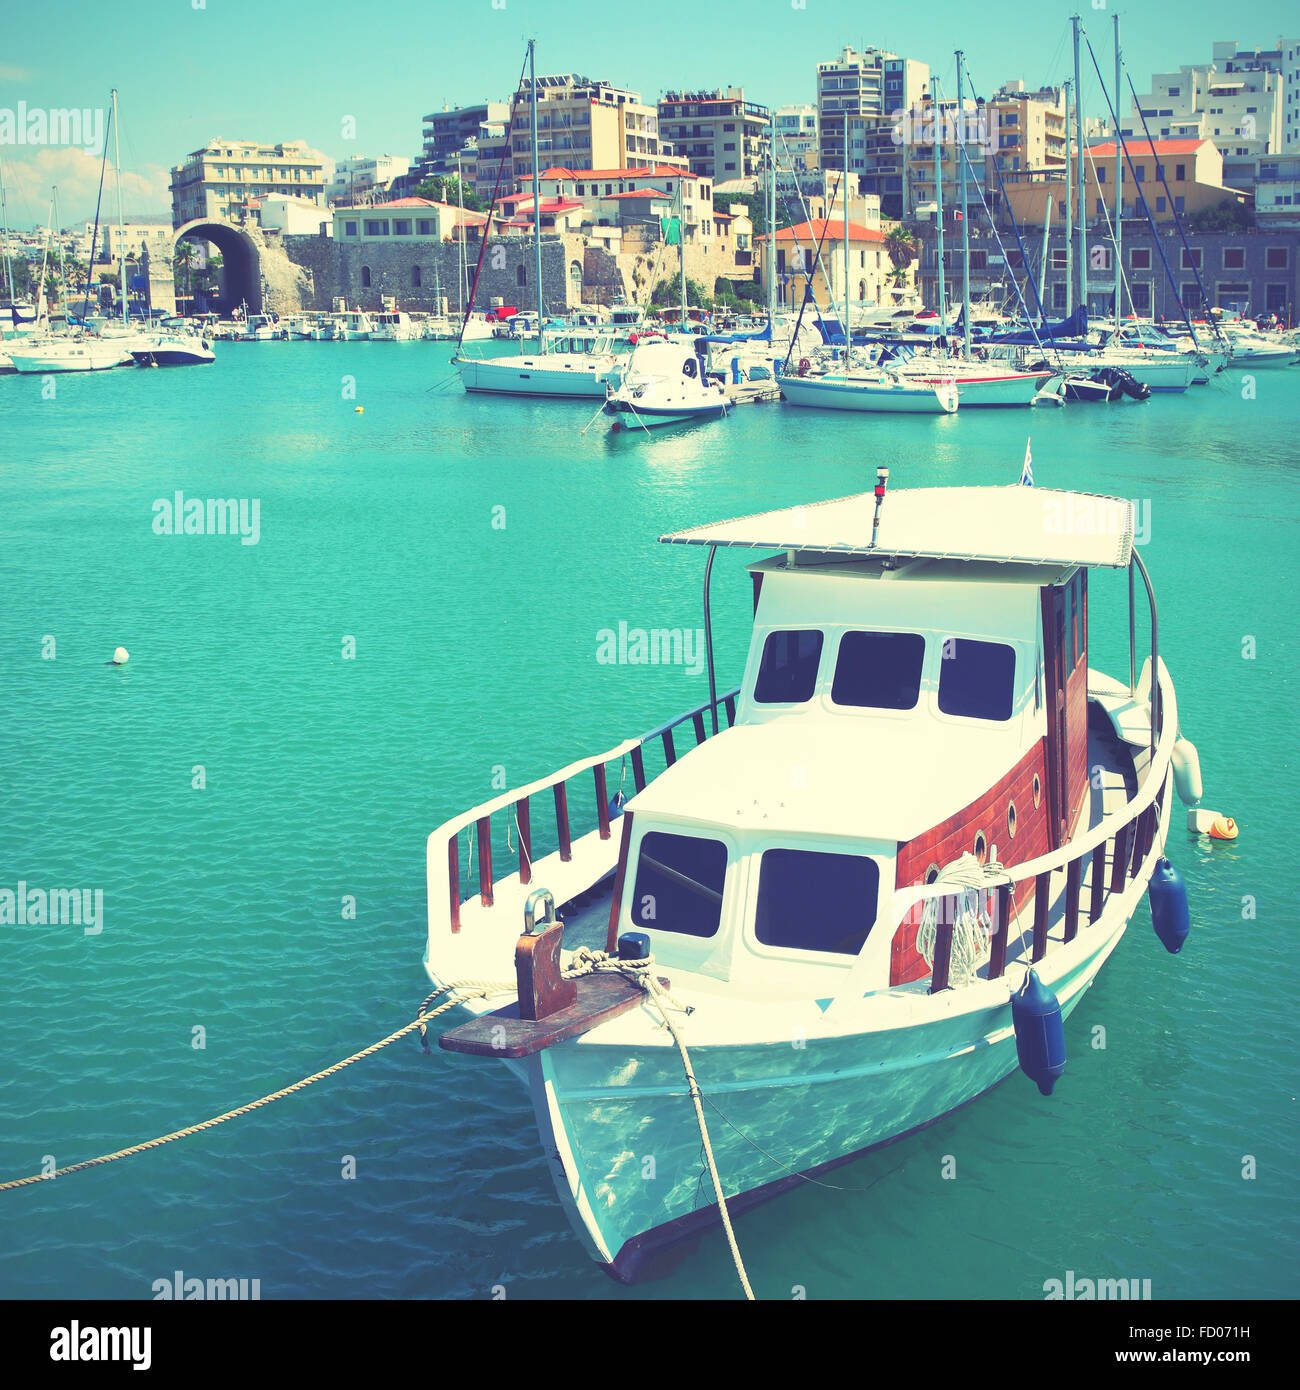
(1083, 192)
(462, 264)
(681, 241)
(847, 336)
(58, 232)
(4, 219)
(965, 218)
(1119, 192)
(938, 194)
(1069, 259)
(771, 233)
(537, 187)
(121, 230)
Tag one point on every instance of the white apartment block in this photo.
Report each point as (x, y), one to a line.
(220, 179)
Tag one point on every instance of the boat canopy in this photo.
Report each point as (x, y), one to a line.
(1012, 524)
(1076, 326)
(763, 335)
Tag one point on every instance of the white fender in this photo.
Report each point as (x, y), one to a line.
(1187, 771)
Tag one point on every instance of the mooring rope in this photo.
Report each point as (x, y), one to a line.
(421, 1021)
(640, 972)
(585, 962)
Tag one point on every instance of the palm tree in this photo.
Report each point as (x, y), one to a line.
(902, 246)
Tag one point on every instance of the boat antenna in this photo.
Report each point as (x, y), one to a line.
(882, 482)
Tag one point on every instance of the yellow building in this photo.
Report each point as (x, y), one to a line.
(1192, 168)
(799, 262)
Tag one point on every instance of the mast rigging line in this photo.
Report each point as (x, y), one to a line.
(487, 228)
(1024, 257)
(94, 236)
(1173, 205)
(1122, 144)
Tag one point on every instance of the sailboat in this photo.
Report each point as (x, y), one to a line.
(892, 390)
(844, 956)
(42, 352)
(565, 366)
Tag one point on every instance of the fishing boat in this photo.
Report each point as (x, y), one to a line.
(352, 326)
(393, 327)
(872, 391)
(665, 381)
(889, 865)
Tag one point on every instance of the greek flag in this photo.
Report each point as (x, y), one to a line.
(1027, 472)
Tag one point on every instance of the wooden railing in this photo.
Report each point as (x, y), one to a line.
(517, 803)
(1120, 842)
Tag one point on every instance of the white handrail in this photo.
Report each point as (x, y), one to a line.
(1104, 830)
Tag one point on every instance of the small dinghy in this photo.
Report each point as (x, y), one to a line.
(1105, 384)
(906, 844)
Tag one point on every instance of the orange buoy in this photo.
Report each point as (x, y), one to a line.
(1224, 828)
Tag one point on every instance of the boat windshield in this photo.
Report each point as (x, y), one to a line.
(844, 888)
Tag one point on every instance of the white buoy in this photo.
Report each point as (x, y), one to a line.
(121, 656)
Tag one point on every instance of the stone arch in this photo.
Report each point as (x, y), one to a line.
(241, 256)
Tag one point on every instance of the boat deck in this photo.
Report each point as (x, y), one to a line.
(1114, 762)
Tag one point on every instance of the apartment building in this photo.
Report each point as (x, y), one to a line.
(360, 177)
(581, 123)
(868, 89)
(452, 132)
(220, 179)
(723, 136)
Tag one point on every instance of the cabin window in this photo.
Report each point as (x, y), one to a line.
(843, 888)
(679, 880)
(977, 679)
(787, 673)
(879, 670)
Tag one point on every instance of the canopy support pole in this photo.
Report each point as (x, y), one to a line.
(708, 639)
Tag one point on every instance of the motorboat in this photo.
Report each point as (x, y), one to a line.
(172, 348)
(665, 381)
(845, 898)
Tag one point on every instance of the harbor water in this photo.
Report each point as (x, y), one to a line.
(413, 619)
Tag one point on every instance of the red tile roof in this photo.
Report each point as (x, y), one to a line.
(638, 193)
(649, 171)
(1139, 147)
(813, 231)
(401, 203)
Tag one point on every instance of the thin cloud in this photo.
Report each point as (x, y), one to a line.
(76, 173)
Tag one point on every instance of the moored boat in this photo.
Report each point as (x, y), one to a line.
(828, 909)
(871, 391)
(665, 381)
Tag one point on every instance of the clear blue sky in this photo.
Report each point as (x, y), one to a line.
(293, 69)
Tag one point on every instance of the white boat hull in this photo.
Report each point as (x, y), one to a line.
(548, 375)
(89, 356)
(840, 393)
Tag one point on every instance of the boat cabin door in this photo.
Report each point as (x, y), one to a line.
(1065, 663)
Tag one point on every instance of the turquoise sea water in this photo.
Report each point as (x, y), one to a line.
(475, 648)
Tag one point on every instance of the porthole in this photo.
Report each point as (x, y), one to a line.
(1038, 791)
(931, 874)
(1011, 819)
(981, 846)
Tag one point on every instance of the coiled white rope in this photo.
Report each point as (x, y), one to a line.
(972, 928)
